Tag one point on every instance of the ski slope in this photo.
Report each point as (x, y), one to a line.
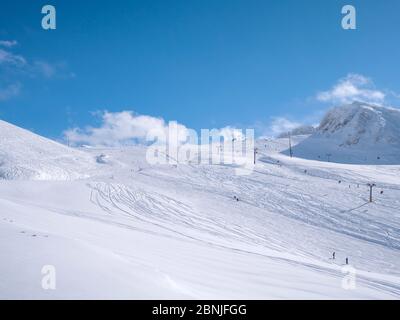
(25, 155)
(120, 228)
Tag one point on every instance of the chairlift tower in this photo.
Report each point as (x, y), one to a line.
(290, 145)
(371, 186)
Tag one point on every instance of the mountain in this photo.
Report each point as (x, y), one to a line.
(25, 155)
(356, 133)
(299, 131)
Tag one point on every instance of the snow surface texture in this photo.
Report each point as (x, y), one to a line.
(134, 231)
(357, 133)
(24, 155)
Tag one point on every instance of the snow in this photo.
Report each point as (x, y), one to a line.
(116, 227)
(357, 133)
(25, 155)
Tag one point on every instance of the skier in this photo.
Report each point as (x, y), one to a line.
(347, 260)
(333, 255)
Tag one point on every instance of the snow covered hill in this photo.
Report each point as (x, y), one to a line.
(25, 155)
(355, 133)
(134, 230)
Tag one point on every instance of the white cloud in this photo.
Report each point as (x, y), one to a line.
(9, 58)
(281, 125)
(9, 91)
(14, 68)
(50, 70)
(8, 43)
(121, 128)
(126, 128)
(394, 94)
(44, 68)
(10, 64)
(354, 87)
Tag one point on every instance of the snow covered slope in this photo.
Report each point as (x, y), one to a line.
(134, 230)
(25, 155)
(355, 133)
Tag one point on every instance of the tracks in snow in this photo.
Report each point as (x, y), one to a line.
(167, 213)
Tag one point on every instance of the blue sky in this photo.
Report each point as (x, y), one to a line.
(204, 63)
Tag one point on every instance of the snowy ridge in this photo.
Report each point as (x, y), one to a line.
(363, 124)
(355, 133)
(25, 155)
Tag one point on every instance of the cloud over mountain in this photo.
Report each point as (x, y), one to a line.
(351, 88)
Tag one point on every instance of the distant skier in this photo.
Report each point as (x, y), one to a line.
(235, 198)
(347, 260)
(333, 255)
(381, 191)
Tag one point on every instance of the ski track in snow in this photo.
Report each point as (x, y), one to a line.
(175, 231)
